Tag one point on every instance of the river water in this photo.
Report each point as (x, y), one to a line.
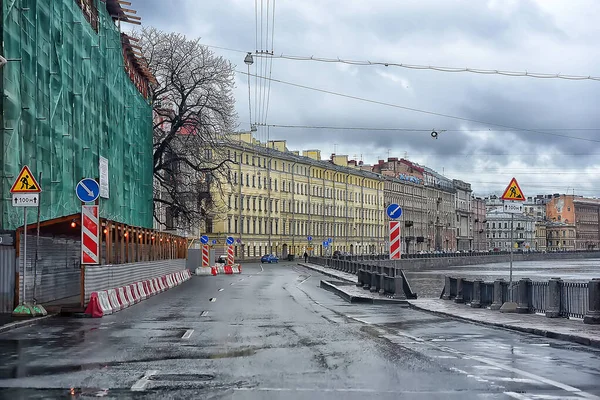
(430, 282)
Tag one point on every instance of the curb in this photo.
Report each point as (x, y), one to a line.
(534, 331)
(357, 299)
(24, 323)
(327, 273)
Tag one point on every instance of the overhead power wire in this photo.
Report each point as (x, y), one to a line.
(437, 68)
(270, 65)
(355, 128)
(420, 67)
(420, 111)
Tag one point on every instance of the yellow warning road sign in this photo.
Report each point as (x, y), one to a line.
(25, 182)
(513, 192)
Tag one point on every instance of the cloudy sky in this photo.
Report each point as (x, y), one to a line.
(556, 150)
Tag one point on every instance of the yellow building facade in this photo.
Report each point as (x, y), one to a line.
(277, 200)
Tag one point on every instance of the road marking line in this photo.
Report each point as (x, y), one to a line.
(305, 280)
(187, 334)
(536, 377)
(220, 290)
(261, 268)
(204, 313)
(213, 299)
(141, 384)
(232, 283)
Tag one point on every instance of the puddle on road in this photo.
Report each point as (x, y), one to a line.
(182, 377)
(233, 354)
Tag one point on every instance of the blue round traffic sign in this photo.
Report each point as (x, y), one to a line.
(87, 190)
(214, 241)
(229, 241)
(325, 243)
(394, 211)
(204, 239)
(309, 238)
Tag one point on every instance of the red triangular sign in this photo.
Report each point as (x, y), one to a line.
(513, 192)
(25, 182)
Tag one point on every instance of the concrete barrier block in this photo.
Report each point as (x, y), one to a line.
(524, 305)
(476, 301)
(497, 303)
(459, 291)
(553, 296)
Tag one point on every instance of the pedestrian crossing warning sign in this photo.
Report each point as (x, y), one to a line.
(513, 192)
(25, 182)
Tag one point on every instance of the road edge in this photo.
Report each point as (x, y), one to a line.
(328, 273)
(21, 324)
(534, 331)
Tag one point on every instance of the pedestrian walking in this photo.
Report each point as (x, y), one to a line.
(305, 257)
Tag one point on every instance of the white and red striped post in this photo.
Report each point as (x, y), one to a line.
(395, 240)
(90, 235)
(205, 255)
(230, 259)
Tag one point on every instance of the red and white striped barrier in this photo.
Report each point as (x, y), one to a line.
(106, 302)
(220, 270)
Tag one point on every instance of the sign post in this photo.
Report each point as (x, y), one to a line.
(229, 242)
(511, 194)
(205, 251)
(394, 211)
(26, 193)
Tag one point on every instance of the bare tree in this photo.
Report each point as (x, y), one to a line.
(193, 107)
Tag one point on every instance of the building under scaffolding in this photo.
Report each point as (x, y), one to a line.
(75, 93)
(75, 89)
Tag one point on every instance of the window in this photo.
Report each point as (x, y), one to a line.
(275, 185)
(248, 203)
(254, 204)
(253, 181)
(247, 159)
(229, 225)
(247, 180)
(90, 12)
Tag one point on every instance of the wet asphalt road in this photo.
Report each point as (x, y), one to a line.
(274, 334)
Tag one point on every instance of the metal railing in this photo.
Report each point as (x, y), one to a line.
(530, 296)
(574, 301)
(539, 291)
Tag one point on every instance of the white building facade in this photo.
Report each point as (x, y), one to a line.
(498, 231)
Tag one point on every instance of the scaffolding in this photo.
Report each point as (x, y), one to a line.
(67, 101)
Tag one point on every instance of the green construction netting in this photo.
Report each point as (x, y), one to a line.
(67, 101)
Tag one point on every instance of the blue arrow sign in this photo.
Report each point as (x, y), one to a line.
(214, 241)
(204, 239)
(325, 243)
(330, 240)
(309, 238)
(394, 211)
(229, 241)
(87, 190)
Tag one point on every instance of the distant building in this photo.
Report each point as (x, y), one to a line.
(535, 207)
(540, 239)
(561, 236)
(479, 224)
(464, 215)
(499, 233)
(581, 212)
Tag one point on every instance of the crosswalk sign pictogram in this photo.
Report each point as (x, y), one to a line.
(513, 192)
(25, 182)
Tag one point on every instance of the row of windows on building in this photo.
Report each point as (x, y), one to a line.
(260, 204)
(520, 235)
(506, 225)
(302, 189)
(264, 226)
(301, 170)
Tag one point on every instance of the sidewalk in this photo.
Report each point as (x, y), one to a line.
(343, 276)
(571, 330)
(8, 322)
(555, 328)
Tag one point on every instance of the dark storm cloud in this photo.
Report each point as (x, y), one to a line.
(541, 36)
